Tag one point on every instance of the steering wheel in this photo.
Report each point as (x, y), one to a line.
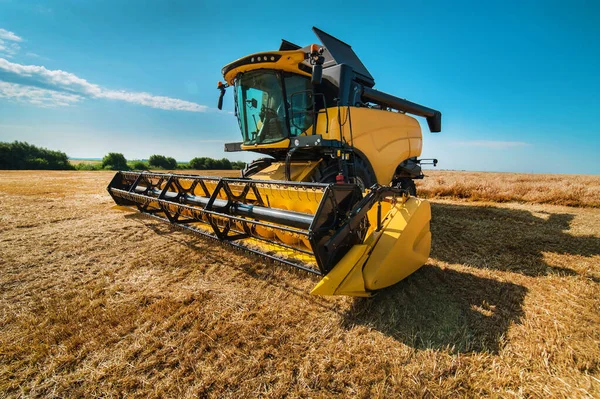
(267, 115)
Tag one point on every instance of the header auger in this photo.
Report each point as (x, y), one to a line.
(335, 198)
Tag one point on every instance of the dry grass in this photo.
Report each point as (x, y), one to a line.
(76, 162)
(97, 302)
(224, 173)
(570, 190)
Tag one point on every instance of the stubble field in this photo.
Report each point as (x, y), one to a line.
(100, 302)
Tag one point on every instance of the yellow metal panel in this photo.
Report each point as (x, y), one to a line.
(285, 143)
(385, 138)
(299, 171)
(387, 256)
(372, 216)
(416, 146)
(346, 277)
(403, 247)
(288, 62)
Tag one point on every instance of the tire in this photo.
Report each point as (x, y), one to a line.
(326, 174)
(256, 166)
(364, 177)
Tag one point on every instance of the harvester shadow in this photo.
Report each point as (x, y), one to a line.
(489, 237)
(442, 309)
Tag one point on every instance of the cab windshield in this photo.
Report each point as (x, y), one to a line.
(263, 105)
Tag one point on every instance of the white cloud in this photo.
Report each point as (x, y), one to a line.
(8, 44)
(491, 144)
(59, 80)
(7, 35)
(35, 84)
(9, 49)
(149, 100)
(36, 95)
(66, 82)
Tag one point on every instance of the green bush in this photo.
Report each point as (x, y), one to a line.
(171, 163)
(88, 166)
(198, 163)
(160, 161)
(139, 165)
(239, 165)
(214, 164)
(224, 164)
(114, 161)
(21, 155)
(39, 163)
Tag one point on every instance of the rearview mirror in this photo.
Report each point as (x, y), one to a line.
(220, 104)
(222, 88)
(317, 74)
(252, 103)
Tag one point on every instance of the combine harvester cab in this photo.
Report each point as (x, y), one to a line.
(336, 195)
(358, 243)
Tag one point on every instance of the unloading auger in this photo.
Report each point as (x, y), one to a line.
(358, 243)
(336, 194)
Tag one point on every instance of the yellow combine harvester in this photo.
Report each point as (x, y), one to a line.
(336, 197)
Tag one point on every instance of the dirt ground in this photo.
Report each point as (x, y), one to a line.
(100, 302)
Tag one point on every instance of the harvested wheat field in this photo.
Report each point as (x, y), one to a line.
(100, 302)
(571, 190)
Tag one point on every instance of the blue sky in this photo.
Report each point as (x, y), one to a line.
(518, 83)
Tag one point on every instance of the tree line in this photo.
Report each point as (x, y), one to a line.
(21, 155)
(117, 161)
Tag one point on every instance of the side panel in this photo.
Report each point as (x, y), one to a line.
(288, 62)
(403, 247)
(299, 171)
(386, 138)
(386, 256)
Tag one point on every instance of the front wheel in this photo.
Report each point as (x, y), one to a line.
(256, 166)
(364, 178)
